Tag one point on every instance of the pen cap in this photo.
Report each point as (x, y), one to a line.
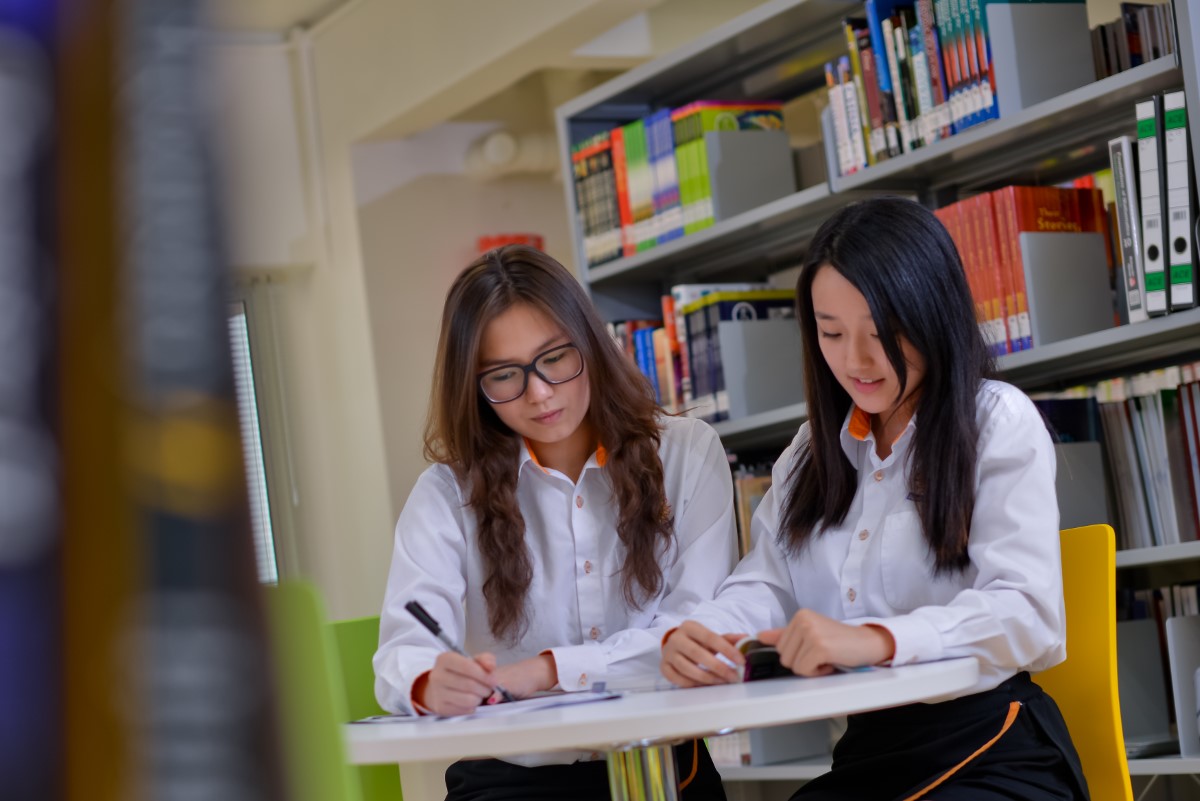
(418, 611)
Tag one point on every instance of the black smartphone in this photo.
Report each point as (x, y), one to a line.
(762, 661)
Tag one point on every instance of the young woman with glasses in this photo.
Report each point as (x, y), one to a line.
(565, 524)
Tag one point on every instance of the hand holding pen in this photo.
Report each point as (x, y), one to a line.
(426, 620)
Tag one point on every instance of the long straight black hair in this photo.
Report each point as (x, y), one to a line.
(900, 257)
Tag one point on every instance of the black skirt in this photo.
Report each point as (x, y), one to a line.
(1006, 743)
(496, 780)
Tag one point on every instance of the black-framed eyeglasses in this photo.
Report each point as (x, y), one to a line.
(508, 381)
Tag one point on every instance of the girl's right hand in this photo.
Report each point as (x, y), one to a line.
(692, 656)
(456, 685)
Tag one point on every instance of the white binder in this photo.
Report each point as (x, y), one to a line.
(1150, 185)
(1181, 210)
(1129, 226)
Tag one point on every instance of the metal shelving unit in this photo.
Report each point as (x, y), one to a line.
(776, 51)
(1057, 138)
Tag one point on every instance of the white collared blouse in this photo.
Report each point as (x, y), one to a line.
(577, 610)
(1005, 609)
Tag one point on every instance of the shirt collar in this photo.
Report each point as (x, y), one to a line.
(597, 459)
(856, 431)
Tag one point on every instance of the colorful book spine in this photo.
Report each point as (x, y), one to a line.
(667, 210)
(692, 122)
(621, 177)
(641, 185)
(860, 91)
(31, 581)
(930, 41)
(858, 145)
(927, 125)
(841, 130)
(901, 93)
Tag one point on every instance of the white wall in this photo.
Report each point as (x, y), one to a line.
(415, 240)
(399, 63)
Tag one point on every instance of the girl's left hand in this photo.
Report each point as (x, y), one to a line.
(812, 644)
(528, 676)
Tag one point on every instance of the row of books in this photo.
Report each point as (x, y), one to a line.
(1148, 428)
(986, 228)
(916, 72)
(645, 183)
(1174, 600)
(795, 741)
(1156, 209)
(680, 353)
(1140, 33)
(1158, 669)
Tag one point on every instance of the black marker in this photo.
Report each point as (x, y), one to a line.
(426, 620)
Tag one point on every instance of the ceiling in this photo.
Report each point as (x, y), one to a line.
(263, 16)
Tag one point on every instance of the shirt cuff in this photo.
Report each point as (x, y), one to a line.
(579, 666)
(416, 708)
(916, 639)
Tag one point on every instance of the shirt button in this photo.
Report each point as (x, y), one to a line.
(851, 594)
(862, 535)
(594, 633)
(879, 475)
(582, 679)
(578, 501)
(587, 567)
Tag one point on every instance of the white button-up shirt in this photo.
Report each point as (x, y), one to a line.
(1005, 609)
(576, 608)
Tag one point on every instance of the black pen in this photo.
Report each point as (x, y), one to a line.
(426, 620)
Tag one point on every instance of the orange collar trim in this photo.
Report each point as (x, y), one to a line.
(601, 455)
(533, 456)
(860, 424)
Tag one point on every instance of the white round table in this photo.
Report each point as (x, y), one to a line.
(639, 727)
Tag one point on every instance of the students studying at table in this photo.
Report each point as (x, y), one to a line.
(913, 518)
(564, 526)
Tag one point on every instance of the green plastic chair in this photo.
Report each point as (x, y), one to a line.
(311, 704)
(356, 641)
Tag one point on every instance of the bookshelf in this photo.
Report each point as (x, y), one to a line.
(803, 770)
(1018, 147)
(777, 51)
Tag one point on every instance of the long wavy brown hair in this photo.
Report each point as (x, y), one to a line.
(464, 432)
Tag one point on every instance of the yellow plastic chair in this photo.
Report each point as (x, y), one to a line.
(311, 706)
(1085, 685)
(356, 641)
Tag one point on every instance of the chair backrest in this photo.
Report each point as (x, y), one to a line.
(312, 707)
(1085, 685)
(356, 641)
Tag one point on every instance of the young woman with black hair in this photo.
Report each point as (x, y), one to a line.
(564, 527)
(912, 519)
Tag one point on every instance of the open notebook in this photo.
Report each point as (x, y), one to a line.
(540, 701)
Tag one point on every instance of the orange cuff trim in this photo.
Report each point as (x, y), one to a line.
(1013, 709)
(670, 631)
(695, 766)
(860, 424)
(420, 682)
